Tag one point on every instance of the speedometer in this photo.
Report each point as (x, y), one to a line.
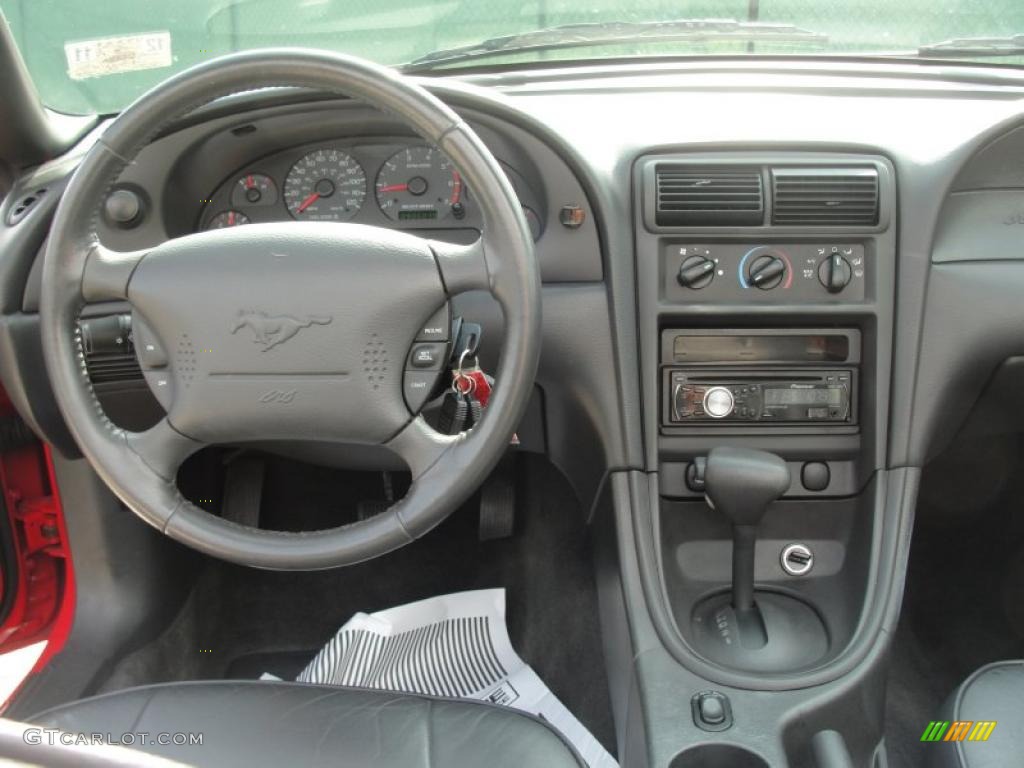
(419, 183)
(325, 185)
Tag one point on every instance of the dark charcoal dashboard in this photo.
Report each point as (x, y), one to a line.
(825, 265)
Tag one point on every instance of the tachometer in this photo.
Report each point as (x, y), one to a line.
(420, 183)
(227, 219)
(325, 185)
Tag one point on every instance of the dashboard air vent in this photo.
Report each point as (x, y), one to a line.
(833, 197)
(109, 354)
(701, 196)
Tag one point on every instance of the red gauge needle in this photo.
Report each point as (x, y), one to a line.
(394, 188)
(308, 202)
(249, 182)
(456, 187)
(231, 219)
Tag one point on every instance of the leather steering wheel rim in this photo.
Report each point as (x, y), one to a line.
(140, 468)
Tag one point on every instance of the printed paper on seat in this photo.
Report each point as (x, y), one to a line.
(455, 646)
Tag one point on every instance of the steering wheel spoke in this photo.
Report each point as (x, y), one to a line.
(107, 273)
(420, 446)
(463, 267)
(162, 448)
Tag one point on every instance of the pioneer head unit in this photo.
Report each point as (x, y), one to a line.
(759, 377)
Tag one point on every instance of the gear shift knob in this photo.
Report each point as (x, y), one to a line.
(741, 483)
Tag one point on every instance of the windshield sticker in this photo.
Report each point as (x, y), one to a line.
(114, 55)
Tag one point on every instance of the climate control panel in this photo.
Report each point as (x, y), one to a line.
(744, 272)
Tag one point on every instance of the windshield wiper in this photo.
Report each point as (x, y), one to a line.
(611, 33)
(967, 47)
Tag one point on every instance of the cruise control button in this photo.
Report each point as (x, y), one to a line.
(437, 327)
(151, 353)
(417, 387)
(429, 357)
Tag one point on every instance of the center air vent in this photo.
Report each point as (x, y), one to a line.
(825, 197)
(696, 196)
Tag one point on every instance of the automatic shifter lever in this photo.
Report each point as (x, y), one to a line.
(771, 631)
(740, 483)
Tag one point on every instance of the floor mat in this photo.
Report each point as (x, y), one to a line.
(240, 622)
(452, 646)
(964, 561)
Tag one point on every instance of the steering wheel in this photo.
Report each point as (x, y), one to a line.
(337, 308)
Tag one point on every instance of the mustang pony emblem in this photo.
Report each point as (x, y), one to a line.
(270, 330)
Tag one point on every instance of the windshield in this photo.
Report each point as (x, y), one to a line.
(96, 56)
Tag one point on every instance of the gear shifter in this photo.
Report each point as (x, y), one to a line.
(760, 630)
(740, 483)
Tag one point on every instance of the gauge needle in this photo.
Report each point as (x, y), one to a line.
(231, 219)
(394, 188)
(308, 202)
(249, 182)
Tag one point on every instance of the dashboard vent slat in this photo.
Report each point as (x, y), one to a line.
(706, 196)
(825, 197)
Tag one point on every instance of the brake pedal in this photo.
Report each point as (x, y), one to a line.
(243, 490)
(498, 501)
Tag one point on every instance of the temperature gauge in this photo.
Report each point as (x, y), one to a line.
(253, 189)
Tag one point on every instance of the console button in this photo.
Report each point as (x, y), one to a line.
(815, 476)
(711, 711)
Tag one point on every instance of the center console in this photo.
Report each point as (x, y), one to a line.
(765, 300)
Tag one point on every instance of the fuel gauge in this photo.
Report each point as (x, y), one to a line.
(227, 219)
(253, 189)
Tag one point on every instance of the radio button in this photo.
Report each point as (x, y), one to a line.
(718, 402)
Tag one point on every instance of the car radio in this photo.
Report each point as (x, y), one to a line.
(760, 377)
(788, 397)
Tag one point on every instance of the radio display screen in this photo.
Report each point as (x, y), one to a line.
(820, 396)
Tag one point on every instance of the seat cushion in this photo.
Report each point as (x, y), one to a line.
(993, 693)
(249, 723)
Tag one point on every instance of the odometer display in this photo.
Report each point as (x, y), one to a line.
(325, 185)
(419, 183)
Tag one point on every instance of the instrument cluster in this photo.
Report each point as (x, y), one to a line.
(406, 186)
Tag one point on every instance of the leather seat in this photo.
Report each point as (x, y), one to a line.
(291, 724)
(993, 693)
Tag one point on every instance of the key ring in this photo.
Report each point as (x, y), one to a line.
(458, 376)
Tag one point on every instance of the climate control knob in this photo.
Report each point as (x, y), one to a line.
(835, 273)
(696, 272)
(718, 402)
(766, 271)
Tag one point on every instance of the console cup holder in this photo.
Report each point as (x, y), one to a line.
(718, 756)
